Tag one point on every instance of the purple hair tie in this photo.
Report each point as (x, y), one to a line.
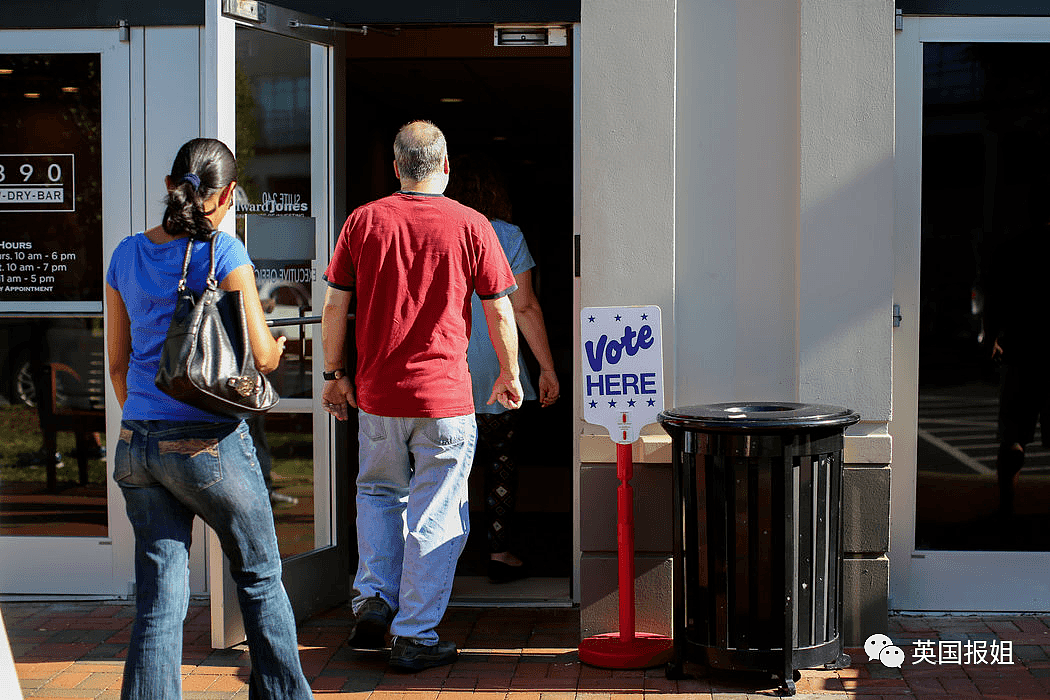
(192, 179)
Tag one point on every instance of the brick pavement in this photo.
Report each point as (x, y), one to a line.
(75, 650)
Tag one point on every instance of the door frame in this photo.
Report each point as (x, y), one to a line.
(103, 565)
(927, 580)
(319, 579)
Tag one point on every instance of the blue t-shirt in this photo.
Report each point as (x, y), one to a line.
(147, 276)
(481, 356)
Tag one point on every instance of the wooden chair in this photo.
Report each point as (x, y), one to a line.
(83, 423)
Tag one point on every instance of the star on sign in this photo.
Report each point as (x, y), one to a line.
(618, 317)
(612, 404)
(652, 402)
(590, 319)
(645, 316)
(594, 404)
(631, 402)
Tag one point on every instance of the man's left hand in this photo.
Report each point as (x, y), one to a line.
(338, 397)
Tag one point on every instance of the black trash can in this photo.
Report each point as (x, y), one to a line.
(758, 536)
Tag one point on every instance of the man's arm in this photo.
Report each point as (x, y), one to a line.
(338, 392)
(503, 332)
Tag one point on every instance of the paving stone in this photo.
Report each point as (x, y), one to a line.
(498, 662)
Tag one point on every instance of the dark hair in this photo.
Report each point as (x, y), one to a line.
(202, 167)
(419, 149)
(476, 180)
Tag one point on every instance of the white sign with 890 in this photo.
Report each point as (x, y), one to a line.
(36, 182)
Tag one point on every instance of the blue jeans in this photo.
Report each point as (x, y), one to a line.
(168, 472)
(412, 515)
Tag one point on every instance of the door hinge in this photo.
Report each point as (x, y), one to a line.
(896, 315)
(124, 31)
(898, 20)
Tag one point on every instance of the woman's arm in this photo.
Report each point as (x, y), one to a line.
(266, 349)
(529, 318)
(118, 334)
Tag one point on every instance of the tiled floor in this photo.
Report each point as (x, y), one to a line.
(74, 650)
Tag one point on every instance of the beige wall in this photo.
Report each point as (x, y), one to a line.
(736, 169)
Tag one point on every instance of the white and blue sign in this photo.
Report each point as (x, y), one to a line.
(623, 386)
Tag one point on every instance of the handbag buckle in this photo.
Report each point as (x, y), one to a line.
(242, 385)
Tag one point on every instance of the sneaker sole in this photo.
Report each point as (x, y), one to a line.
(415, 665)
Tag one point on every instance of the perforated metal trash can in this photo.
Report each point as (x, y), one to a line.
(757, 536)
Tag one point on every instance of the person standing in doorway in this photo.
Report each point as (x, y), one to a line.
(477, 183)
(1017, 337)
(413, 259)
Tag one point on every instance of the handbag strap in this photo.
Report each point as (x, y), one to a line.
(211, 282)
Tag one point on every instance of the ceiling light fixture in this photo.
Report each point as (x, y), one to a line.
(452, 100)
(32, 95)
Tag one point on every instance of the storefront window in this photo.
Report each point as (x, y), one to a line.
(52, 413)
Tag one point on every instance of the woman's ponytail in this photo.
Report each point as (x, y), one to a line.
(202, 167)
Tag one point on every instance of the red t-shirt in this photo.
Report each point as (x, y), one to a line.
(414, 260)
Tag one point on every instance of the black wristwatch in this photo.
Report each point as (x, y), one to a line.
(334, 374)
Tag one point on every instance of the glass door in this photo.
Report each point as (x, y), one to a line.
(284, 214)
(973, 225)
(64, 174)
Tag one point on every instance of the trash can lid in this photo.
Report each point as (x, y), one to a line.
(757, 415)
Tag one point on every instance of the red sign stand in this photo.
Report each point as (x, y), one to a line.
(625, 649)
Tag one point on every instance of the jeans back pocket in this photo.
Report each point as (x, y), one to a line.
(191, 462)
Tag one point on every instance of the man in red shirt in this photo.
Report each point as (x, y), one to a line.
(413, 259)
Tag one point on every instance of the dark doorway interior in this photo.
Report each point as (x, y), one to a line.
(982, 342)
(514, 105)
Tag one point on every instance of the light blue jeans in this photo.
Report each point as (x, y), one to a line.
(168, 472)
(412, 515)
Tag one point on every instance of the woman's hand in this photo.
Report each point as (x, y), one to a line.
(549, 388)
(266, 349)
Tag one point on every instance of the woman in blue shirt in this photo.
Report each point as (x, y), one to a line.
(174, 461)
(476, 182)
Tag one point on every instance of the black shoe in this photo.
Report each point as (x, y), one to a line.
(371, 624)
(500, 572)
(410, 655)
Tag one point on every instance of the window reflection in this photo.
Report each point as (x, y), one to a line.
(274, 212)
(275, 220)
(982, 367)
(50, 183)
(284, 445)
(52, 428)
(52, 414)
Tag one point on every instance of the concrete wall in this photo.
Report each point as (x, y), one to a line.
(736, 262)
(846, 269)
(737, 171)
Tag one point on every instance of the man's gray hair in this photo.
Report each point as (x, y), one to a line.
(419, 150)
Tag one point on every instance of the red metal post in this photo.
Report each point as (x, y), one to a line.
(625, 539)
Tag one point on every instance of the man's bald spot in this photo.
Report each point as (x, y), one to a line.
(419, 150)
